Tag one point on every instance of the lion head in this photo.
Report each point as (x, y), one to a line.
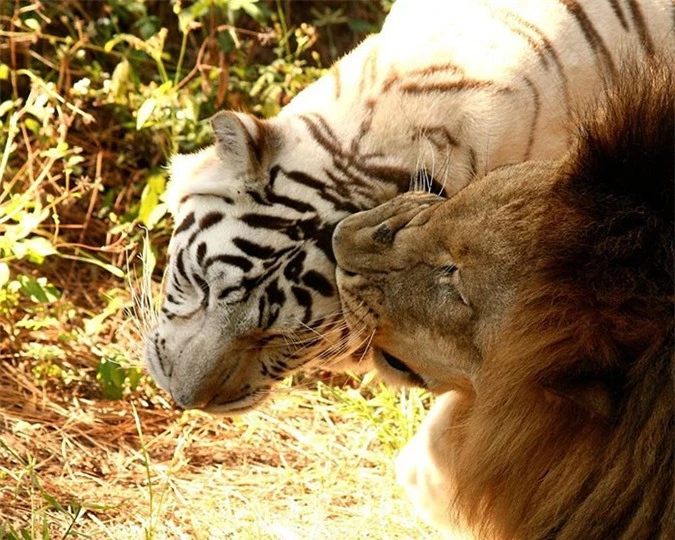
(540, 300)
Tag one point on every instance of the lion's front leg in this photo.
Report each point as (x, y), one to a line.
(424, 468)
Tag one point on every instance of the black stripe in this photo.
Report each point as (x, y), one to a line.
(451, 86)
(204, 287)
(548, 48)
(447, 67)
(275, 298)
(180, 265)
(357, 187)
(320, 188)
(535, 116)
(254, 250)
(299, 206)
(278, 256)
(201, 252)
(318, 282)
(384, 173)
(274, 171)
(252, 283)
(227, 291)
(366, 122)
(323, 239)
(304, 299)
(234, 260)
(616, 8)
(345, 166)
(188, 222)
(176, 285)
(261, 317)
(641, 27)
(331, 146)
(168, 314)
(591, 35)
(509, 20)
(294, 267)
(162, 366)
(263, 221)
(306, 180)
(344, 162)
(210, 219)
(257, 198)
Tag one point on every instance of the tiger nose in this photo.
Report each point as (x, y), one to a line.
(187, 400)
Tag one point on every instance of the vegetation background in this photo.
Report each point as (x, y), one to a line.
(94, 98)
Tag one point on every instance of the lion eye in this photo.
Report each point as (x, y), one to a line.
(449, 269)
(449, 276)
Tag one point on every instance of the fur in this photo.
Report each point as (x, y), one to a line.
(566, 427)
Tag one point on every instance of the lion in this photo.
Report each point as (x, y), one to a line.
(538, 302)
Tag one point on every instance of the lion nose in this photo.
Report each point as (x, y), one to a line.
(351, 242)
(362, 240)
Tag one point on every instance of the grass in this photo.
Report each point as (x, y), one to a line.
(94, 97)
(308, 464)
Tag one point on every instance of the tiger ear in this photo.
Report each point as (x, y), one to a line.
(241, 142)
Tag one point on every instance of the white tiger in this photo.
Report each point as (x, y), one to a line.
(446, 91)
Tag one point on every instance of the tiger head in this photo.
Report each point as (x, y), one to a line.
(250, 294)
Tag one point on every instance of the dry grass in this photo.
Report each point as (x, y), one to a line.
(300, 467)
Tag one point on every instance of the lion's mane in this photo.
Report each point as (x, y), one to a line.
(570, 431)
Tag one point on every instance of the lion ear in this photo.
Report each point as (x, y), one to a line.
(241, 142)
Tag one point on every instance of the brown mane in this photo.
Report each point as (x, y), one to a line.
(570, 432)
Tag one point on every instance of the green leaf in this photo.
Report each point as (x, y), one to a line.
(33, 24)
(5, 106)
(19, 250)
(38, 290)
(37, 248)
(53, 502)
(156, 215)
(114, 270)
(32, 124)
(120, 81)
(150, 211)
(250, 7)
(144, 112)
(4, 274)
(109, 374)
(114, 378)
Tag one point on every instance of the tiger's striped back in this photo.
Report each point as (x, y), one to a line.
(445, 92)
